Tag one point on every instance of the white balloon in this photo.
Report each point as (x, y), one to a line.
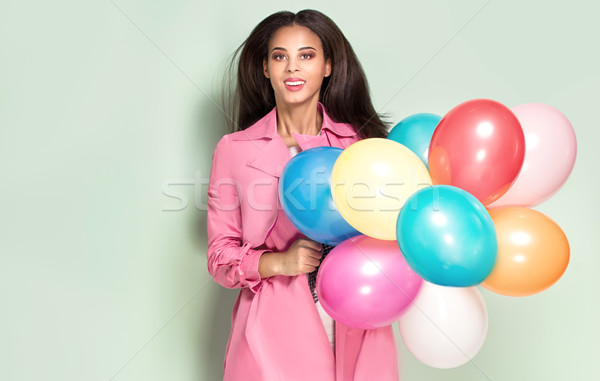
(446, 326)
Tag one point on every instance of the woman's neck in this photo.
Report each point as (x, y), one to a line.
(301, 119)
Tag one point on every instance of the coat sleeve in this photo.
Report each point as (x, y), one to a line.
(231, 263)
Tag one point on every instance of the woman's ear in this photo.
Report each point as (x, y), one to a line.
(265, 68)
(328, 67)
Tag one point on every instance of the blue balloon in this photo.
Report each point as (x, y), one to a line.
(447, 236)
(305, 194)
(415, 132)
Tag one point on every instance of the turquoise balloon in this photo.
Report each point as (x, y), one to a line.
(415, 132)
(305, 195)
(447, 236)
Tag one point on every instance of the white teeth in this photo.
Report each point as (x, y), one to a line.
(296, 83)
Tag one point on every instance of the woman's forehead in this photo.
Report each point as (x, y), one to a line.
(294, 37)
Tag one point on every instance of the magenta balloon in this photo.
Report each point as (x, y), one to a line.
(550, 150)
(366, 283)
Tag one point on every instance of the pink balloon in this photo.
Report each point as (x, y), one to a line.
(550, 150)
(366, 283)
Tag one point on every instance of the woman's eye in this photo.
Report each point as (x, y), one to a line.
(306, 56)
(278, 57)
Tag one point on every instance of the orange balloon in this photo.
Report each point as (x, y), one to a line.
(533, 252)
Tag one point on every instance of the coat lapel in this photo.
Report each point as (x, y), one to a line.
(272, 158)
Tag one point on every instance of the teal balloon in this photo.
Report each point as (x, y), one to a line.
(447, 236)
(415, 132)
(305, 195)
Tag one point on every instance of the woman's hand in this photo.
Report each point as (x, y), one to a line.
(303, 256)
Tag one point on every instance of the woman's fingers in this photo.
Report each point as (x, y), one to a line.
(304, 256)
(307, 242)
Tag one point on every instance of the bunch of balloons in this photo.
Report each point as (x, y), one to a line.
(421, 218)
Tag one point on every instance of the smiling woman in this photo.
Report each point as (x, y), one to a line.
(296, 67)
(299, 86)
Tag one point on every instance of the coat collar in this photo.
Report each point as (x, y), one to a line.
(272, 157)
(266, 127)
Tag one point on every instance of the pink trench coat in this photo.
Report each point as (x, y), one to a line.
(276, 331)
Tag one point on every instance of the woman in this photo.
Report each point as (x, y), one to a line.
(299, 85)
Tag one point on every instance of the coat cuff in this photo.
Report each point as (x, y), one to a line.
(249, 269)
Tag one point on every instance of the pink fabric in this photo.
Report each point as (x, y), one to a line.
(276, 331)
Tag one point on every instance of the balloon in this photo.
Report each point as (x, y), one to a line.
(305, 194)
(415, 132)
(365, 283)
(533, 252)
(446, 326)
(371, 180)
(447, 236)
(478, 146)
(549, 143)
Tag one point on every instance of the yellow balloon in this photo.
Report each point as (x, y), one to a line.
(370, 182)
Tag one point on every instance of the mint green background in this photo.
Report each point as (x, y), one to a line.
(107, 108)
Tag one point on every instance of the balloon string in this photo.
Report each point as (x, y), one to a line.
(312, 277)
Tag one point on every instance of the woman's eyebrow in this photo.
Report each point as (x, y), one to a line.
(302, 48)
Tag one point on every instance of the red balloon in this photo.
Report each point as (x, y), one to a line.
(478, 146)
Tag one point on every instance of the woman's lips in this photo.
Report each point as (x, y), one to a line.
(294, 84)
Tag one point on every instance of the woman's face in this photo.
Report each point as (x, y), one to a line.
(296, 65)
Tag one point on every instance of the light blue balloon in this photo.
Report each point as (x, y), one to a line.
(447, 236)
(305, 195)
(415, 132)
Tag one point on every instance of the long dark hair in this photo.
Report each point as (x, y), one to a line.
(345, 93)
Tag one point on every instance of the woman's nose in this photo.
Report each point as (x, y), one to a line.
(292, 65)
